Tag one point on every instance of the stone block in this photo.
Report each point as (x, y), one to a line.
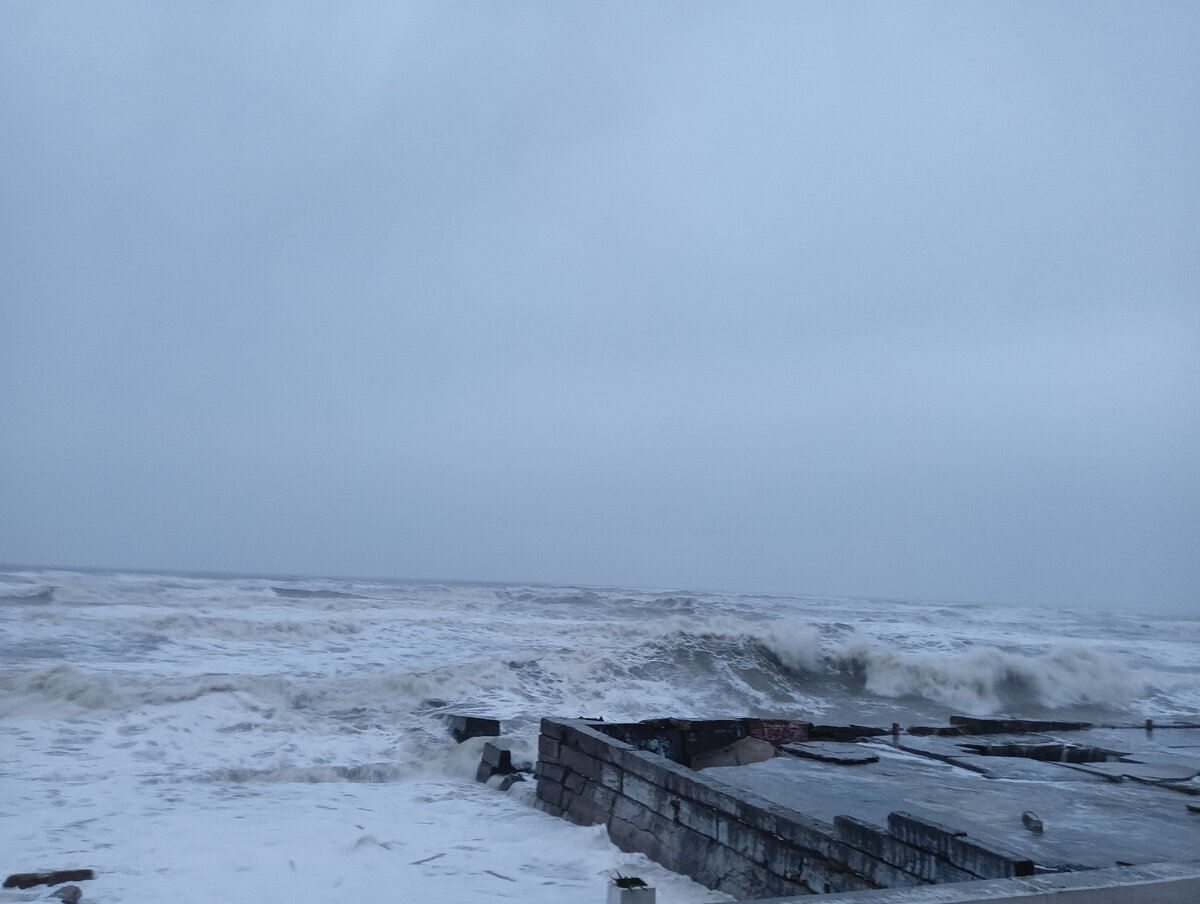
(632, 812)
(883, 846)
(551, 771)
(704, 789)
(498, 756)
(759, 817)
(550, 792)
(463, 727)
(734, 875)
(631, 839)
(859, 834)
(653, 797)
(602, 797)
(923, 833)
(875, 863)
(746, 841)
(687, 852)
(981, 861)
(696, 817)
(789, 863)
(875, 871)
(610, 776)
(579, 762)
(553, 728)
(803, 831)
(648, 766)
(988, 861)
(594, 743)
(547, 748)
(583, 812)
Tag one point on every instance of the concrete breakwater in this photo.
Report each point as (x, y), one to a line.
(732, 840)
(837, 820)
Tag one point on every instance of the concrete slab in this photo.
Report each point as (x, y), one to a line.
(1026, 770)
(843, 754)
(1088, 824)
(1152, 773)
(1178, 758)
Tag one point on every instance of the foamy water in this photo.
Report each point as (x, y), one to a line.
(199, 738)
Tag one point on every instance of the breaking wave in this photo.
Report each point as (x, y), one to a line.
(987, 680)
(767, 666)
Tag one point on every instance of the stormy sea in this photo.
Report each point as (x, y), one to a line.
(199, 738)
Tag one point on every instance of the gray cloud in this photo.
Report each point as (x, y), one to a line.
(896, 301)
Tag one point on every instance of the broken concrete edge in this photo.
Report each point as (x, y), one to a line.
(496, 760)
(57, 877)
(730, 839)
(1151, 883)
(711, 742)
(462, 727)
(964, 725)
(687, 821)
(825, 752)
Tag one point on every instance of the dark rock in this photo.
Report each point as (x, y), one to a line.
(29, 880)
(509, 780)
(1032, 822)
(68, 894)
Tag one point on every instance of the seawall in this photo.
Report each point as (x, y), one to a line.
(636, 780)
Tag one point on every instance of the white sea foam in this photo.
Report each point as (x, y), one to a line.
(988, 680)
(198, 738)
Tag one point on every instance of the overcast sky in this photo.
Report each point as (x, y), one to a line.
(877, 299)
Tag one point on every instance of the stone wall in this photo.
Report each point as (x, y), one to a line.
(632, 779)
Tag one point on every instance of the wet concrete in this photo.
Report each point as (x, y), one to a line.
(1095, 815)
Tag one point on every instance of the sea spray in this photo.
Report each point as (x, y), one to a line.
(983, 680)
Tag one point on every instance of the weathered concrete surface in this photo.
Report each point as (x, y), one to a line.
(631, 780)
(842, 753)
(936, 809)
(1159, 883)
(1089, 823)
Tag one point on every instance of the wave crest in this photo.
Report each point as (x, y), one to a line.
(987, 680)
